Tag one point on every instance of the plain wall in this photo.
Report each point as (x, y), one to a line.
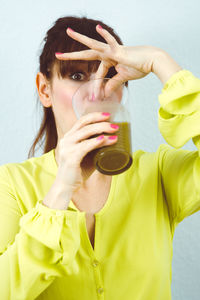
(170, 25)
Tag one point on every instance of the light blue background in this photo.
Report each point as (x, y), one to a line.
(170, 25)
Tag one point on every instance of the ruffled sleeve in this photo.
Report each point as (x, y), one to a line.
(179, 113)
(57, 230)
(179, 121)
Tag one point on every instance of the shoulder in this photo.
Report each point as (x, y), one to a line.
(146, 162)
(26, 181)
(29, 166)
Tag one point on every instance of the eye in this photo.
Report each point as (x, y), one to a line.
(78, 76)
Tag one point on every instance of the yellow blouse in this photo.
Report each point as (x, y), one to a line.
(46, 253)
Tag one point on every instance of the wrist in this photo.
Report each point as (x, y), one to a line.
(58, 196)
(164, 66)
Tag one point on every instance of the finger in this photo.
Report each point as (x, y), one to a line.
(102, 70)
(91, 43)
(79, 55)
(107, 36)
(99, 93)
(114, 84)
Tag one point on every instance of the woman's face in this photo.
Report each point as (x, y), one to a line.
(61, 91)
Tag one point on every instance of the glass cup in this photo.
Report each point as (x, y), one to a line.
(92, 96)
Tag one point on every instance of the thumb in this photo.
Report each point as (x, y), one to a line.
(114, 83)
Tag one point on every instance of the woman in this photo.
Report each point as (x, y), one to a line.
(72, 232)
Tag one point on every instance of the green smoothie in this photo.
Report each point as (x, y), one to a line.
(114, 159)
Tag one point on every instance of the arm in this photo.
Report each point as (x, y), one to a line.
(34, 248)
(178, 120)
(164, 66)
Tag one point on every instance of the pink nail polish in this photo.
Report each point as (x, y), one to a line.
(100, 27)
(105, 114)
(114, 126)
(58, 53)
(112, 137)
(70, 29)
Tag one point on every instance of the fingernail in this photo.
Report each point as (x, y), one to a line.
(112, 137)
(70, 29)
(106, 114)
(100, 27)
(58, 53)
(100, 137)
(114, 126)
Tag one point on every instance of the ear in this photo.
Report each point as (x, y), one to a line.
(43, 89)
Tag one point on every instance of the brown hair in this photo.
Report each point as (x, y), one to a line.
(57, 40)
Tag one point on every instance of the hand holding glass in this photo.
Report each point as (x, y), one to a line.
(90, 97)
